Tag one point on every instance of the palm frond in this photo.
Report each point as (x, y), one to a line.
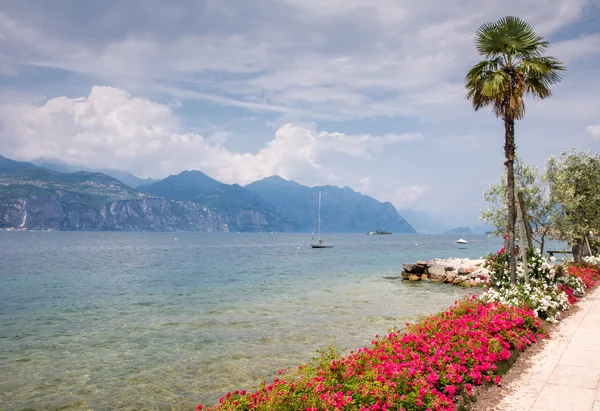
(511, 37)
(486, 83)
(513, 67)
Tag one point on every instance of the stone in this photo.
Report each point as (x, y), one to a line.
(437, 272)
(437, 280)
(414, 268)
(405, 275)
(466, 269)
(424, 277)
(479, 274)
(450, 276)
(408, 267)
(414, 277)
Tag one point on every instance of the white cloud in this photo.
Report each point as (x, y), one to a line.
(573, 49)
(594, 131)
(363, 184)
(301, 57)
(406, 195)
(110, 128)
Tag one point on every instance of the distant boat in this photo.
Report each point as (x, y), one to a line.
(379, 232)
(320, 243)
(461, 241)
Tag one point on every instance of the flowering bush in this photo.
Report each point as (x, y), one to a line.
(547, 301)
(589, 275)
(542, 294)
(592, 260)
(569, 293)
(538, 268)
(424, 368)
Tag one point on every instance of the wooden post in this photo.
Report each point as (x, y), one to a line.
(521, 225)
(587, 242)
(525, 221)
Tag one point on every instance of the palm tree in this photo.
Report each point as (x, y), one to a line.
(513, 67)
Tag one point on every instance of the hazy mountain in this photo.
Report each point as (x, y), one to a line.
(122, 176)
(38, 198)
(482, 228)
(198, 187)
(422, 222)
(460, 231)
(342, 209)
(201, 189)
(8, 164)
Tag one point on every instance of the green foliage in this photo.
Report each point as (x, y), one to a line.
(536, 196)
(541, 294)
(574, 180)
(513, 67)
(549, 291)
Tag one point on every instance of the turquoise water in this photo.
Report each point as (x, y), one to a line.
(167, 321)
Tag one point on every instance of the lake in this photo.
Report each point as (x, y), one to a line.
(102, 320)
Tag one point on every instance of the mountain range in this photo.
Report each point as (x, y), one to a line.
(122, 176)
(43, 196)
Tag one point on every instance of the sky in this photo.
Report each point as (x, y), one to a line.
(361, 93)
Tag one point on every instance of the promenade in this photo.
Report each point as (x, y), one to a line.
(565, 374)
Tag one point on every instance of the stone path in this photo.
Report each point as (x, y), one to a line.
(565, 375)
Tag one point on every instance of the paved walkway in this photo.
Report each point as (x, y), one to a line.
(565, 375)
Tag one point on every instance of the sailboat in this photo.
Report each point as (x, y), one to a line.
(320, 243)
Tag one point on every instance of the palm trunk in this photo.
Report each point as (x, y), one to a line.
(509, 153)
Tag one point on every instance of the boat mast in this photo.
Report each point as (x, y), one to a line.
(319, 222)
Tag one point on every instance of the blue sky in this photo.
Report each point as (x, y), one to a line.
(363, 93)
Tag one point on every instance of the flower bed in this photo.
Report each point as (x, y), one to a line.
(435, 363)
(427, 367)
(587, 273)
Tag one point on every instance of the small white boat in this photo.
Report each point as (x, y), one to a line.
(461, 241)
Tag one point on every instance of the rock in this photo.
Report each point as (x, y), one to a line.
(424, 277)
(450, 276)
(414, 268)
(413, 277)
(479, 274)
(405, 275)
(437, 272)
(437, 280)
(408, 267)
(467, 269)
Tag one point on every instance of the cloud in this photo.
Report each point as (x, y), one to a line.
(570, 50)
(594, 131)
(407, 195)
(111, 128)
(304, 58)
(363, 184)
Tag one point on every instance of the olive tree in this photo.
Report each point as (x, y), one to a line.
(574, 180)
(537, 201)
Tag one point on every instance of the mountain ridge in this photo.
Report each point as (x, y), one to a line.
(37, 197)
(342, 209)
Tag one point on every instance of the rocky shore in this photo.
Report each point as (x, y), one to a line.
(465, 272)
